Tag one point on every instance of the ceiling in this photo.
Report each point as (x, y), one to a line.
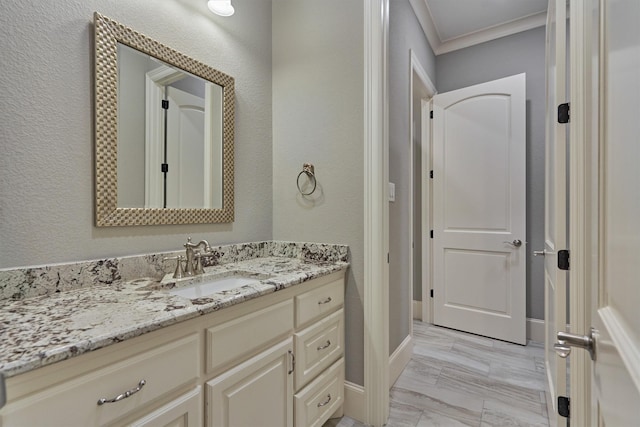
(455, 24)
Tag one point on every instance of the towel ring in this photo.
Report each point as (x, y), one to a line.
(308, 170)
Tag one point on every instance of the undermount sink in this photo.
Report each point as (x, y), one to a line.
(213, 285)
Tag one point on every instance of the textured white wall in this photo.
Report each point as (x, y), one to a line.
(46, 130)
(318, 117)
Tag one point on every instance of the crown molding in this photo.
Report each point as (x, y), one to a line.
(502, 30)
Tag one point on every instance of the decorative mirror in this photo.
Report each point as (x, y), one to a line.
(164, 133)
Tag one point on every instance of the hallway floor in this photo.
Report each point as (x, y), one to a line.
(460, 379)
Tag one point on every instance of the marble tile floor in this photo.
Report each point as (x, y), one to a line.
(460, 379)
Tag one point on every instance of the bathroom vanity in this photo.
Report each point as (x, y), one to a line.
(266, 354)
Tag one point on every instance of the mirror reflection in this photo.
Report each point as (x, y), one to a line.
(170, 135)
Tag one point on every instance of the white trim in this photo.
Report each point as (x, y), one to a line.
(580, 192)
(376, 212)
(399, 359)
(354, 405)
(416, 308)
(426, 22)
(535, 330)
(440, 46)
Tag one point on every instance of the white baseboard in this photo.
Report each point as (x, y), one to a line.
(535, 330)
(354, 401)
(399, 359)
(417, 310)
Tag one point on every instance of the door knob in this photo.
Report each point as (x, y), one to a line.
(516, 243)
(567, 340)
(539, 253)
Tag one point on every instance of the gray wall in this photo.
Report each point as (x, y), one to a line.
(405, 34)
(522, 52)
(47, 166)
(318, 117)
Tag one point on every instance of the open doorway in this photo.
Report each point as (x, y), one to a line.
(422, 90)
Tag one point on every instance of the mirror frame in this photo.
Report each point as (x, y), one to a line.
(107, 35)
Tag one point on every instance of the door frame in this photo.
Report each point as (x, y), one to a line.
(417, 69)
(376, 212)
(583, 213)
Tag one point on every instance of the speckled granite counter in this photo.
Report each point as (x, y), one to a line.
(41, 330)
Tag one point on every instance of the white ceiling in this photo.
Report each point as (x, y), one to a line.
(455, 24)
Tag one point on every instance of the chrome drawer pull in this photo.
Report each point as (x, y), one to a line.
(322, 347)
(293, 362)
(326, 402)
(325, 301)
(124, 395)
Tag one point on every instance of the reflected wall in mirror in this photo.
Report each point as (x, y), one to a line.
(164, 133)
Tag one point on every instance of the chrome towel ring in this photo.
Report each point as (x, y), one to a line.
(308, 170)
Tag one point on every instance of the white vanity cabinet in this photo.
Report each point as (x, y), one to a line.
(275, 360)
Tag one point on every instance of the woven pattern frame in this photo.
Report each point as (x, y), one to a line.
(107, 35)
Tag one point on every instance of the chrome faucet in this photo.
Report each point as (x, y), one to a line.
(192, 269)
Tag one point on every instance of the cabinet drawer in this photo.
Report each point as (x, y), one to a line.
(318, 346)
(234, 341)
(314, 304)
(75, 402)
(319, 400)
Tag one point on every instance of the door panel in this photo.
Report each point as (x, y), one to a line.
(555, 206)
(479, 209)
(616, 316)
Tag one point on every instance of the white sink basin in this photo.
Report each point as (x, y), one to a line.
(208, 287)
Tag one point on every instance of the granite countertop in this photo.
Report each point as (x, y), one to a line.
(42, 330)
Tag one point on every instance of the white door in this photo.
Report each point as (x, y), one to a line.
(615, 314)
(258, 392)
(185, 149)
(479, 209)
(555, 224)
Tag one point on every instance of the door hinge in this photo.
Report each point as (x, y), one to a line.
(431, 233)
(431, 293)
(563, 259)
(431, 174)
(564, 406)
(388, 258)
(563, 113)
(164, 167)
(431, 114)
(165, 104)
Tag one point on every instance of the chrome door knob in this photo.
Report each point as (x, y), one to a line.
(539, 253)
(567, 340)
(515, 243)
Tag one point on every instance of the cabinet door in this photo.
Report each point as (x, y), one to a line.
(258, 392)
(185, 411)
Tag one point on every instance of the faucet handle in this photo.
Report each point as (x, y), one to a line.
(198, 269)
(179, 271)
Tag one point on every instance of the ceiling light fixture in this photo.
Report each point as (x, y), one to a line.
(221, 7)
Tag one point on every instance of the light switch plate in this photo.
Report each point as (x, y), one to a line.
(392, 192)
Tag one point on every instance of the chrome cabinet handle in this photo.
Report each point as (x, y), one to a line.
(326, 402)
(293, 362)
(516, 243)
(539, 253)
(124, 395)
(325, 301)
(322, 347)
